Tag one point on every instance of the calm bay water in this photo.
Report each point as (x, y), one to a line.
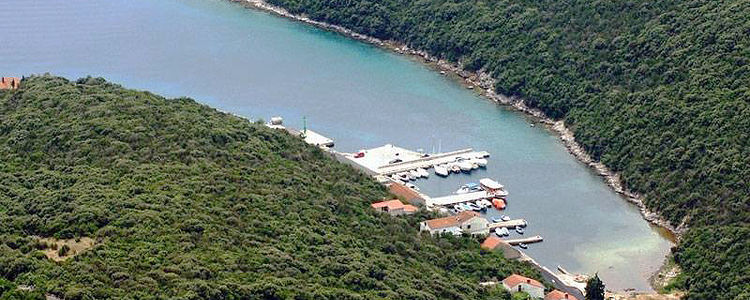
(257, 65)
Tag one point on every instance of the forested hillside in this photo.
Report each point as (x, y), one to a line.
(657, 90)
(185, 202)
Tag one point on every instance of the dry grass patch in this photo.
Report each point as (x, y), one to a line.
(60, 250)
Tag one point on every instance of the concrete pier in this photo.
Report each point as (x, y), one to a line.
(461, 198)
(427, 162)
(528, 240)
(509, 224)
(390, 159)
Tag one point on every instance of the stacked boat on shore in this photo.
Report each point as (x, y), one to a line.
(461, 164)
(410, 175)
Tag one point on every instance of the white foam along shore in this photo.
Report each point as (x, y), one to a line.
(485, 81)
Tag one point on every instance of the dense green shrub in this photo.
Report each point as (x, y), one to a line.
(192, 203)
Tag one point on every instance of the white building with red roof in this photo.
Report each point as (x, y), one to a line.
(558, 295)
(394, 207)
(464, 222)
(9, 83)
(517, 283)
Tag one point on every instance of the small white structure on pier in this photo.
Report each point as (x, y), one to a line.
(309, 136)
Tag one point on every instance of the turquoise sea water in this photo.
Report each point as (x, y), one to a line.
(257, 65)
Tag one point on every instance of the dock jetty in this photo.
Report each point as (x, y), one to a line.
(509, 224)
(389, 159)
(528, 240)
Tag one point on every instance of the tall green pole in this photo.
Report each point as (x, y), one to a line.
(304, 126)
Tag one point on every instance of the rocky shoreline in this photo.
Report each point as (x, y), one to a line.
(485, 82)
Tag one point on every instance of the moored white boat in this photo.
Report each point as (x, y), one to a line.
(404, 176)
(441, 170)
(464, 166)
(481, 162)
(423, 173)
(486, 202)
(502, 231)
(462, 190)
(481, 205)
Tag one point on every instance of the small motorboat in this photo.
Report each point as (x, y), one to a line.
(462, 190)
(423, 173)
(502, 231)
(481, 205)
(455, 168)
(465, 166)
(481, 162)
(474, 166)
(458, 208)
(473, 207)
(466, 206)
(469, 187)
(415, 174)
(442, 170)
(486, 203)
(519, 229)
(497, 220)
(403, 176)
(523, 245)
(412, 186)
(505, 218)
(498, 203)
(395, 177)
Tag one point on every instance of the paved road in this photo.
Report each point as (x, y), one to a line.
(549, 277)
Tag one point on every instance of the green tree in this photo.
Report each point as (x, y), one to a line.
(595, 288)
(63, 251)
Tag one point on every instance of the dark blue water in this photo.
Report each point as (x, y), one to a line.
(257, 65)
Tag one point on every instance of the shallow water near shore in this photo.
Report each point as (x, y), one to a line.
(257, 65)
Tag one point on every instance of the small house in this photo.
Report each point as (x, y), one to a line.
(406, 193)
(464, 222)
(394, 207)
(10, 83)
(517, 283)
(493, 243)
(558, 295)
